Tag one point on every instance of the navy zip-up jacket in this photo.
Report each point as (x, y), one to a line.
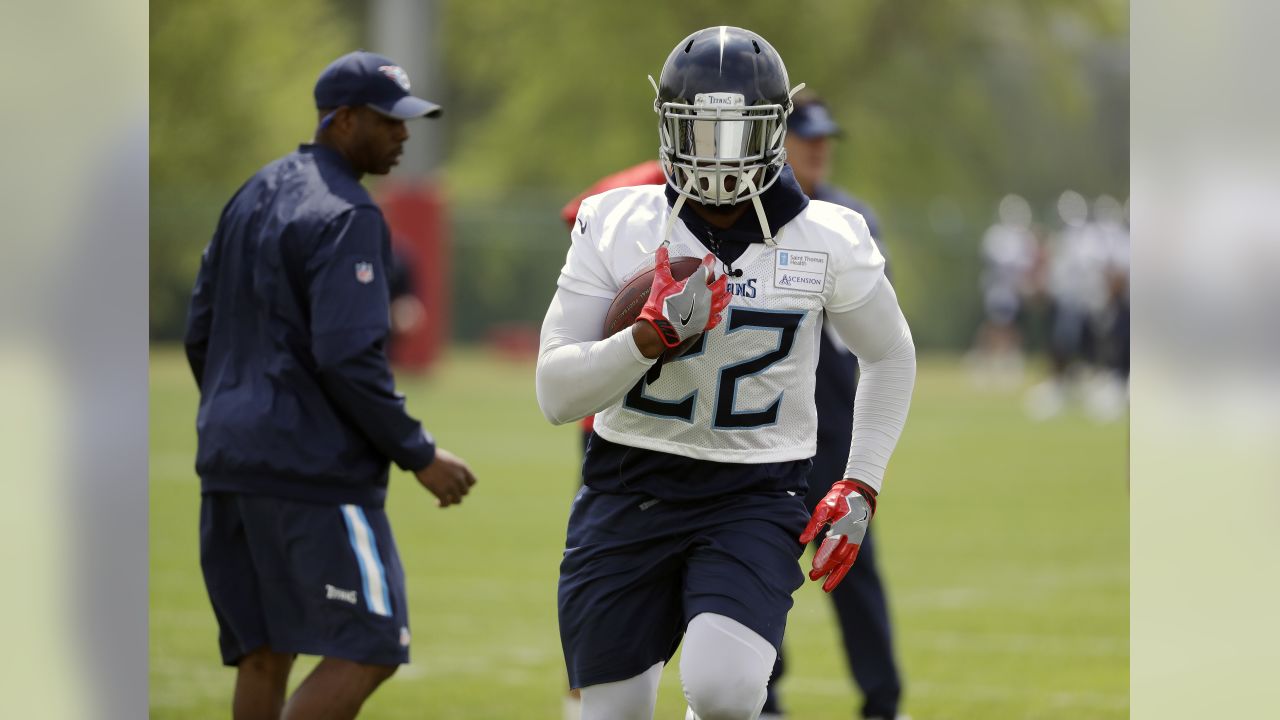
(286, 334)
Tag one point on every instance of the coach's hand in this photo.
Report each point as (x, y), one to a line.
(680, 309)
(447, 477)
(848, 506)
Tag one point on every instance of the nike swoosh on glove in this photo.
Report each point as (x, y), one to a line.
(848, 506)
(680, 309)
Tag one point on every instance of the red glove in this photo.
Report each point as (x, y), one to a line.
(848, 506)
(680, 309)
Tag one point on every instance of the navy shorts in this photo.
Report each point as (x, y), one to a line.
(303, 578)
(636, 570)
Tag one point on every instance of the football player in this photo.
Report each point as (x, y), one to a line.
(692, 518)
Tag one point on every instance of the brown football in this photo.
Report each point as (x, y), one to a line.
(631, 298)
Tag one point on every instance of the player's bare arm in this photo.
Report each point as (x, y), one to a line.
(647, 340)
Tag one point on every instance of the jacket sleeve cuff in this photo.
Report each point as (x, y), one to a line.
(417, 455)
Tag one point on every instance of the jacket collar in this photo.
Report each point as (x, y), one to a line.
(330, 157)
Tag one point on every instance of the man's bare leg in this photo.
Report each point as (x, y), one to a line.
(335, 690)
(261, 680)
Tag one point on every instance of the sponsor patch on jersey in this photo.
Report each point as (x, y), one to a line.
(364, 273)
(804, 270)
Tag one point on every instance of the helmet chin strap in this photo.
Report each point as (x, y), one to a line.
(764, 221)
(791, 95)
(755, 201)
(675, 212)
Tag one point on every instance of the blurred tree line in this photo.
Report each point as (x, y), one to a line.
(947, 106)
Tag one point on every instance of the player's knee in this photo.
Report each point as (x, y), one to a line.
(721, 694)
(377, 674)
(725, 703)
(724, 668)
(365, 675)
(265, 662)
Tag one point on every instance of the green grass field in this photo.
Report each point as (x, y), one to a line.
(1005, 545)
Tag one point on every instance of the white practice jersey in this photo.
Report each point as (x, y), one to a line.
(745, 392)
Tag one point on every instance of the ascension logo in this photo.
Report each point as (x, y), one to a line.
(790, 279)
(397, 73)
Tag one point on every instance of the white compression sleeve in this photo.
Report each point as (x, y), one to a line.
(724, 667)
(877, 333)
(578, 374)
(632, 699)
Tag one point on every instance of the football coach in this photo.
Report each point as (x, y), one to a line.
(299, 419)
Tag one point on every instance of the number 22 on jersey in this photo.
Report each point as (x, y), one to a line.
(725, 415)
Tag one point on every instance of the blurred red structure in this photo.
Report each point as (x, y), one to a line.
(415, 212)
(648, 172)
(515, 342)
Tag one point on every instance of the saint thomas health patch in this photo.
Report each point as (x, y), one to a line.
(804, 270)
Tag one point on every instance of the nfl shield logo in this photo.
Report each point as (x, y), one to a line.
(364, 272)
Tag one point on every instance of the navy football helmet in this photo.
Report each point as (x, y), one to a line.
(722, 101)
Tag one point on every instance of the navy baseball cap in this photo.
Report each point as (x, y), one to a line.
(365, 78)
(812, 120)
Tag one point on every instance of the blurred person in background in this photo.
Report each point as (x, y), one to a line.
(684, 534)
(1111, 391)
(1010, 252)
(299, 419)
(860, 603)
(1080, 279)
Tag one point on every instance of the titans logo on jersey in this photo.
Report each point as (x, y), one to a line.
(745, 392)
(743, 289)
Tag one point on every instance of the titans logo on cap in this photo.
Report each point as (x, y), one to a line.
(397, 73)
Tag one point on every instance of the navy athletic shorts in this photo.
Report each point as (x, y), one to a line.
(636, 570)
(303, 578)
